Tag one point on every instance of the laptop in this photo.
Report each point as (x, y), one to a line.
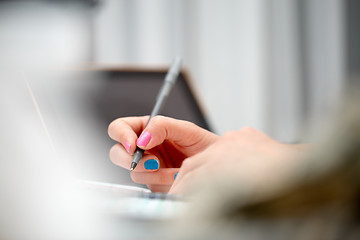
(78, 105)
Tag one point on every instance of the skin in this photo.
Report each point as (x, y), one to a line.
(171, 142)
(179, 146)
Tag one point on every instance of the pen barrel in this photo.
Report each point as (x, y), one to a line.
(174, 70)
(161, 98)
(169, 82)
(138, 155)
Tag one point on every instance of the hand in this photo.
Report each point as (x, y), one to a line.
(247, 154)
(166, 141)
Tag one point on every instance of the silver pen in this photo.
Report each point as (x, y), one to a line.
(168, 84)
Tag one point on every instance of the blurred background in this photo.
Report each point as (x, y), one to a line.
(280, 66)
(276, 65)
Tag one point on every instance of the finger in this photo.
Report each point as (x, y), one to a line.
(182, 133)
(192, 163)
(164, 176)
(190, 171)
(177, 180)
(126, 131)
(120, 157)
(159, 188)
(187, 182)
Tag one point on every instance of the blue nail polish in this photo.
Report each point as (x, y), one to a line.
(151, 164)
(175, 175)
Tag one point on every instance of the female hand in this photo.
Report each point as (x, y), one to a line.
(166, 141)
(247, 154)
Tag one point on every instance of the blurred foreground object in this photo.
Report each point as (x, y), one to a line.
(317, 198)
(38, 198)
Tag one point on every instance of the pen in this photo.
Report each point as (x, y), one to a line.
(168, 84)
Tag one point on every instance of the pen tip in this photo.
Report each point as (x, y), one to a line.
(133, 166)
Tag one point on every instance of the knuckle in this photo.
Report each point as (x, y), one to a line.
(190, 125)
(186, 164)
(229, 134)
(114, 126)
(111, 127)
(158, 120)
(247, 130)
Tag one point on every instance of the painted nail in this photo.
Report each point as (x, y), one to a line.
(144, 139)
(127, 146)
(175, 175)
(151, 164)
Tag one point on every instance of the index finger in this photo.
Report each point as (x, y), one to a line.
(126, 131)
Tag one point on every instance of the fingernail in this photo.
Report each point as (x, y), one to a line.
(127, 146)
(151, 164)
(175, 175)
(144, 139)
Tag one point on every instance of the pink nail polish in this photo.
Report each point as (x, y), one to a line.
(144, 139)
(127, 146)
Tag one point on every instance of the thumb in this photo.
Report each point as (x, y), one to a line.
(180, 132)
